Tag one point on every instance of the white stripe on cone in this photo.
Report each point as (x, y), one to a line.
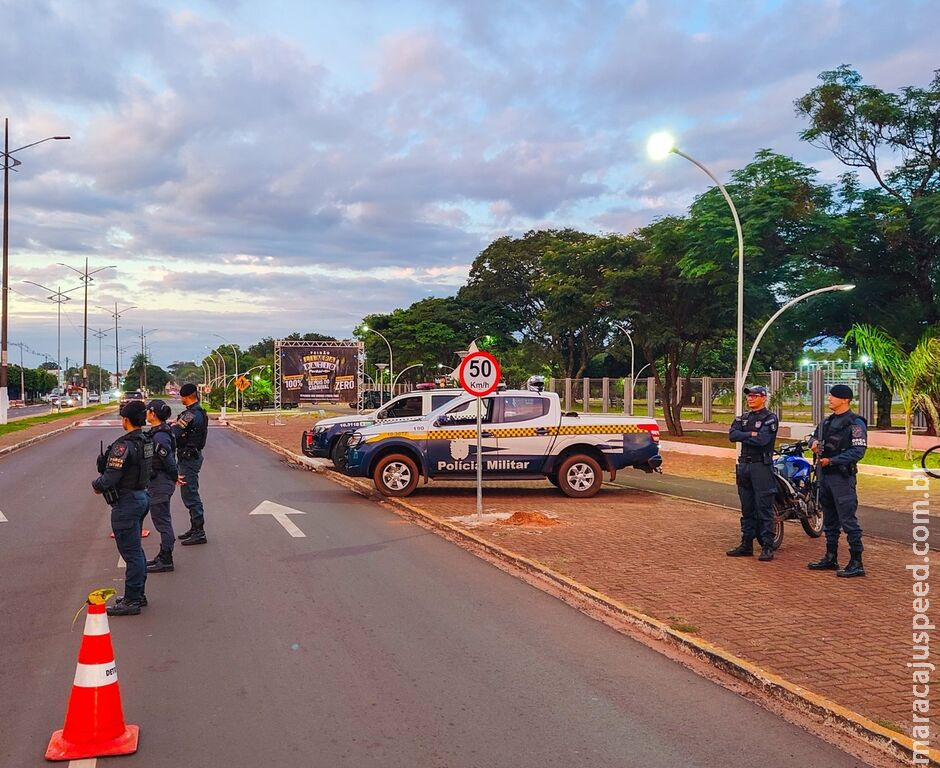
(95, 675)
(96, 624)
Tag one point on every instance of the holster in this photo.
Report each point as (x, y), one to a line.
(111, 496)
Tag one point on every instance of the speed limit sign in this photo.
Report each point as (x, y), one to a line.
(479, 373)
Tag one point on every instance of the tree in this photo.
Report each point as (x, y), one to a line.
(857, 123)
(913, 376)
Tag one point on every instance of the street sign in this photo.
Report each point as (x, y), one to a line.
(479, 373)
(241, 383)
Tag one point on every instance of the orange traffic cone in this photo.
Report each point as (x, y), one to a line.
(94, 721)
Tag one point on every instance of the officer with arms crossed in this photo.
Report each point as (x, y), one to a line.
(163, 482)
(756, 431)
(840, 443)
(190, 431)
(124, 474)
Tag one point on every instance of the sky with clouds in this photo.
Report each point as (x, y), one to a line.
(257, 167)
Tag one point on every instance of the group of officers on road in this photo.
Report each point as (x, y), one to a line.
(838, 443)
(139, 473)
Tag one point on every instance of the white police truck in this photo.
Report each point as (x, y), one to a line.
(525, 436)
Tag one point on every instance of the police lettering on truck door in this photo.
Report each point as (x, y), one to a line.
(452, 445)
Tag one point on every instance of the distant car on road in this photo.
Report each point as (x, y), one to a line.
(94, 397)
(129, 396)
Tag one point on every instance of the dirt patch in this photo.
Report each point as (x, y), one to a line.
(529, 518)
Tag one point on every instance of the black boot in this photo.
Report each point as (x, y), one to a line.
(854, 566)
(162, 563)
(124, 607)
(744, 549)
(188, 534)
(198, 536)
(828, 562)
(766, 554)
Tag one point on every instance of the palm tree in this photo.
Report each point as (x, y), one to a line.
(914, 377)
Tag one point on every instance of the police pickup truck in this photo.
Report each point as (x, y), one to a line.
(328, 438)
(525, 436)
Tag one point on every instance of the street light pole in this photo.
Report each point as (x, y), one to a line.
(116, 314)
(659, 146)
(381, 367)
(632, 354)
(9, 162)
(58, 296)
(86, 277)
(234, 352)
(784, 308)
(99, 333)
(416, 365)
(391, 364)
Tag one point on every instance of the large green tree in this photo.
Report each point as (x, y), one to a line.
(896, 137)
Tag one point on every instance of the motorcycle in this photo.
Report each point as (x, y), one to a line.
(797, 492)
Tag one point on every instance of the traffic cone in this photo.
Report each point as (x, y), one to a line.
(94, 721)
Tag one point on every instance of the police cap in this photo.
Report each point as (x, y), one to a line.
(188, 390)
(160, 409)
(842, 391)
(756, 389)
(136, 412)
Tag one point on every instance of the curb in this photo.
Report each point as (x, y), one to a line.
(35, 439)
(892, 743)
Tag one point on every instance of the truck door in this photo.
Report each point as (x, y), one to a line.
(452, 442)
(523, 432)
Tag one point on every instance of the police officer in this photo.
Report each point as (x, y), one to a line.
(124, 473)
(840, 443)
(756, 431)
(190, 431)
(162, 483)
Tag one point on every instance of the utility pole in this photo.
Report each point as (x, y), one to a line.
(99, 333)
(116, 314)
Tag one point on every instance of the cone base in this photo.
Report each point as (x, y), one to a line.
(125, 744)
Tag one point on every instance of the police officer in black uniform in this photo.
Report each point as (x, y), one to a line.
(190, 430)
(756, 431)
(124, 473)
(840, 443)
(162, 483)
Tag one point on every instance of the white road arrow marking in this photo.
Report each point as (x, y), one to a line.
(121, 563)
(280, 513)
(3, 518)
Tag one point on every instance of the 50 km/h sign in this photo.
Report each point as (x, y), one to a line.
(479, 373)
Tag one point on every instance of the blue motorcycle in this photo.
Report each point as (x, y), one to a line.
(797, 492)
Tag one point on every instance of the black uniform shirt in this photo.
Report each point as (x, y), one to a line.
(764, 423)
(127, 463)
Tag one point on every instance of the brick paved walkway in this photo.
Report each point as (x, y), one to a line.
(846, 639)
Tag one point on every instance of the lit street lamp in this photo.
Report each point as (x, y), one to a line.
(659, 146)
(381, 368)
(784, 308)
(9, 163)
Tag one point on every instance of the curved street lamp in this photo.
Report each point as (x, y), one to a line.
(659, 146)
(391, 365)
(784, 308)
(632, 354)
(9, 163)
(234, 352)
(416, 365)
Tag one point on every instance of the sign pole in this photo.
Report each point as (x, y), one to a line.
(479, 458)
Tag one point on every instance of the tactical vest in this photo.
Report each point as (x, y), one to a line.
(836, 434)
(749, 423)
(194, 436)
(136, 476)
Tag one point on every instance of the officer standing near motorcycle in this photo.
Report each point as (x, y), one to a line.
(756, 431)
(124, 472)
(163, 482)
(190, 430)
(840, 443)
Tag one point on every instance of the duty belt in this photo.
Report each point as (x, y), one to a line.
(751, 460)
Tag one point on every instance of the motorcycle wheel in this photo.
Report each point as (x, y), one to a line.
(778, 524)
(813, 522)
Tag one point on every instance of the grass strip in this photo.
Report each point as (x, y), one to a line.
(30, 421)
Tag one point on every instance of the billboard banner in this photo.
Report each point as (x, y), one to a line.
(318, 372)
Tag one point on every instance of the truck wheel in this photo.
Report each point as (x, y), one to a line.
(579, 477)
(395, 475)
(338, 454)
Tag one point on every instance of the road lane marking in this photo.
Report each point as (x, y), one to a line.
(98, 423)
(3, 518)
(121, 563)
(280, 513)
(85, 762)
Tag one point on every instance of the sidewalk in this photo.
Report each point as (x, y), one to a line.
(846, 640)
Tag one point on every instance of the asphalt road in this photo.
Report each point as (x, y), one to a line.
(875, 521)
(367, 642)
(29, 410)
